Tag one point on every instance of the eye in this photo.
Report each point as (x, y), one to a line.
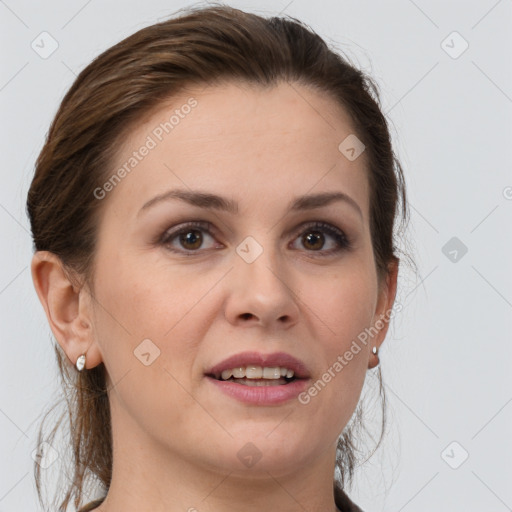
(313, 238)
(189, 236)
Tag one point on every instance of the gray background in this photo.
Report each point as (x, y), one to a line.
(446, 361)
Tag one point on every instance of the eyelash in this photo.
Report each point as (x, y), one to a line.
(338, 235)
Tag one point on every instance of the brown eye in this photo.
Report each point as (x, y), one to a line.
(191, 239)
(187, 240)
(318, 234)
(314, 240)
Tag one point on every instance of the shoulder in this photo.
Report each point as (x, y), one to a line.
(343, 502)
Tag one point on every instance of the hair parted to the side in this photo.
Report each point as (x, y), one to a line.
(199, 46)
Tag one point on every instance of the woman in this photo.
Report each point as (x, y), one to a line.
(213, 215)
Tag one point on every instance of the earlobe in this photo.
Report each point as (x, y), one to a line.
(383, 313)
(67, 312)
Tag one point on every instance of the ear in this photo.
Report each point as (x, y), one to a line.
(67, 307)
(383, 311)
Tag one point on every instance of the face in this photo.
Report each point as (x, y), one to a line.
(173, 299)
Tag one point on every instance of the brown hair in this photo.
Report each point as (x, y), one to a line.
(203, 46)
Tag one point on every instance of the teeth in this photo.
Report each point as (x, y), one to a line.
(272, 373)
(226, 374)
(257, 372)
(254, 372)
(238, 373)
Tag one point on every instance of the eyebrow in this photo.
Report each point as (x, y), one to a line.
(216, 202)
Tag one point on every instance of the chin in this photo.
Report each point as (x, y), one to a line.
(268, 451)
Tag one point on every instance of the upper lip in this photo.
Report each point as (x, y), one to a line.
(242, 359)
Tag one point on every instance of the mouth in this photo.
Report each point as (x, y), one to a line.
(257, 369)
(255, 385)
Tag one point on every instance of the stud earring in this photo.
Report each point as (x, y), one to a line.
(80, 363)
(375, 351)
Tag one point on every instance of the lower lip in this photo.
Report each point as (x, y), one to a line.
(261, 395)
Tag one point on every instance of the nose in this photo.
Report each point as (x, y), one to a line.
(261, 289)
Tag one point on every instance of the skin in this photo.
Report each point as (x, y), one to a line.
(176, 437)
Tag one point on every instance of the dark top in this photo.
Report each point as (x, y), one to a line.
(341, 500)
(344, 503)
(92, 505)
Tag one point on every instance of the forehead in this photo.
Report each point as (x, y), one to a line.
(238, 138)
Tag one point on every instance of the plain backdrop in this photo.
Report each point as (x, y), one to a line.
(444, 72)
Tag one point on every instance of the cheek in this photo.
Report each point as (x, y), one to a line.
(342, 313)
(343, 303)
(142, 298)
(148, 334)
(151, 315)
